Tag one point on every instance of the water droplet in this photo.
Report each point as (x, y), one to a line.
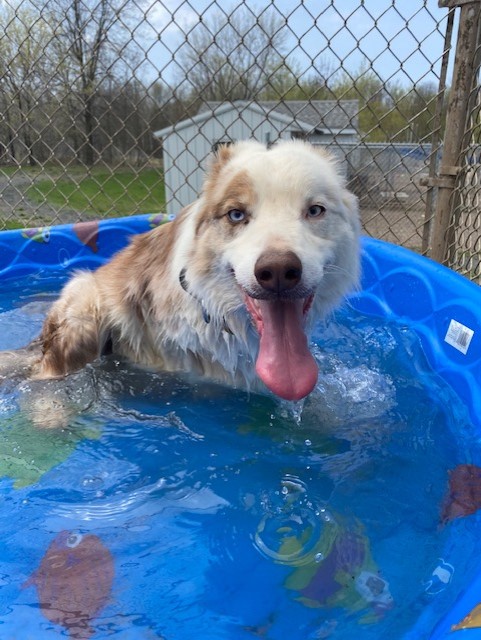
(307, 442)
(318, 557)
(92, 482)
(249, 500)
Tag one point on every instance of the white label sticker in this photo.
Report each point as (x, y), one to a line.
(459, 336)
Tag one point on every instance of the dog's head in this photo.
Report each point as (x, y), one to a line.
(277, 238)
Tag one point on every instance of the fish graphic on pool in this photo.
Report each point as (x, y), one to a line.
(463, 497)
(340, 571)
(74, 581)
(38, 234)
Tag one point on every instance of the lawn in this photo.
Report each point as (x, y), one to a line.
(120, 192)
(11, 224)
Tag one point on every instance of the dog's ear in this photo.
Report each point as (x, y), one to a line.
(219, 158)
(328, 155)
(351, 202)
(223, 152)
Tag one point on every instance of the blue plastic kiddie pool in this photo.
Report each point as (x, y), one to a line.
(175, 509)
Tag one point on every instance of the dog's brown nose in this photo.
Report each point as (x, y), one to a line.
(278, 271)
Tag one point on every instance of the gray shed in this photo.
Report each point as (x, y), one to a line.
(188, 143)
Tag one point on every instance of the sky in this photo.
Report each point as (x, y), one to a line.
(403, 39)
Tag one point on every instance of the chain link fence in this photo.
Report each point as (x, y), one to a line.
(110, 107)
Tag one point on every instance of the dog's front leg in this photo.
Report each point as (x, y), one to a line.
(72, 334)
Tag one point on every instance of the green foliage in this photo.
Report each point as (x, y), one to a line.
(388, 111)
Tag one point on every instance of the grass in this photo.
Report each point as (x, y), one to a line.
(11, 224)
(103, 192)
(12, 170)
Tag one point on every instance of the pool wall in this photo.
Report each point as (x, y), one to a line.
(401, 285)
(443, 307)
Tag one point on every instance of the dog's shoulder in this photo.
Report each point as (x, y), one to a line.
(155, 245)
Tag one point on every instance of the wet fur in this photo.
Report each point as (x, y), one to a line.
(136, 305)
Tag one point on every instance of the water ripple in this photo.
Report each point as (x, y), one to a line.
(293, 525)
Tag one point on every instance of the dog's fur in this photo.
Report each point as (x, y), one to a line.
(273, 228)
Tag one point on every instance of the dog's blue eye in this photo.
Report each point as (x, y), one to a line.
(236, 215)
(316, 210)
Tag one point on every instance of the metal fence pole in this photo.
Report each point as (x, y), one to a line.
(456, 116)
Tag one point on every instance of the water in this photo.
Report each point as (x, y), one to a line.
(234, 516)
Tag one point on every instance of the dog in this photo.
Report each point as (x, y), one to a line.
(230, 289)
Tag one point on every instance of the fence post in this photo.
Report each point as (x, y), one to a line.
(456, 116)
(436, 140)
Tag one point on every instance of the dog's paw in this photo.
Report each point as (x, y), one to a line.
(55, 403)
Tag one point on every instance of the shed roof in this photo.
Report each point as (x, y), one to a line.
(309, 116)
(319, 114)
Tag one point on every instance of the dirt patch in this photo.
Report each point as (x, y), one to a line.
(395, 225)
(17, 207)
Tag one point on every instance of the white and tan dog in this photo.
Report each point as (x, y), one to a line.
(231, 287)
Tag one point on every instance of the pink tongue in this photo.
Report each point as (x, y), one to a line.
(284, 363)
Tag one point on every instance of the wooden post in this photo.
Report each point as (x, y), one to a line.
(456, 117)
(436, 141)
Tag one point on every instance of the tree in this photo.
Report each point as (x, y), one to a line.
(416, 106)
(388, 111)
(170, 105)
(90, 35)
(234, 55)
(25, 70)
(124, 113)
